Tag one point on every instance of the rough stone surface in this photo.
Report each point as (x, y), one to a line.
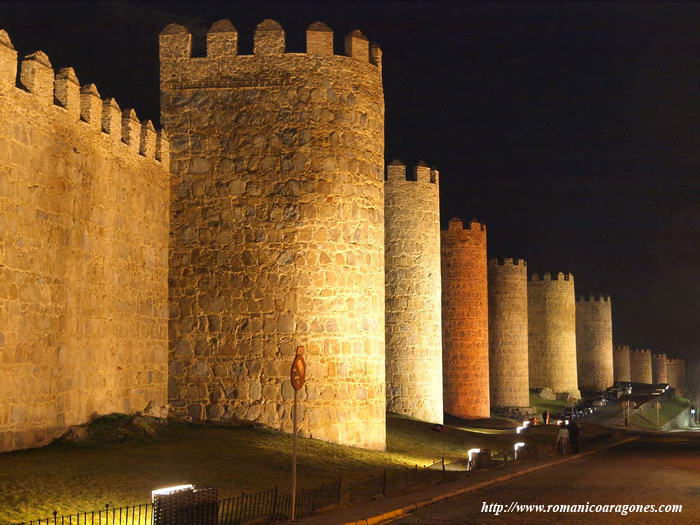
(621, 363)
(594, 343)
(83, 261)
(508, 357)
(277, 232)
(659, 368)
(551, 312)
(640, 366)
(413, 301)
(465, 320)
(676, 374)
(548, 394)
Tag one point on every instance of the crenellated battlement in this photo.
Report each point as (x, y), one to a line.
(269, 39)
(548, 277)
(396, 171)
(498, 261)
(593, 298)
(641, 351)
(62, 91)
(675, 360)
(621, 348)
(456, 224)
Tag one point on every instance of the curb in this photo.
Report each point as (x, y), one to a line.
(407, 509)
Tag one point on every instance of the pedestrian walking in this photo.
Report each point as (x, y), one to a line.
(574, 431)
(545, 417)
(563, 439)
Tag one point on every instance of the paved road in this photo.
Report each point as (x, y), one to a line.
(648, 471)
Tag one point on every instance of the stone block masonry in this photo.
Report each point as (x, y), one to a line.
(621, 363)
(594, 343)
(83, 254)
(413, 301)
(659, 368)
(508, 356)
(277, 230)
(551, 311)
(640, 366)
(465, 320)
(676, 374)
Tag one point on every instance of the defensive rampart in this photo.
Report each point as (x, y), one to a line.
(83, 254)
(659, 368)
(508, 368)
(277, 236)
(413, 301)
(465, 320)
(640, 366)
(621, 363)
(594, 342)
(551, 311)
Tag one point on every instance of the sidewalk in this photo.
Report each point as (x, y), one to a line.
(381, 510)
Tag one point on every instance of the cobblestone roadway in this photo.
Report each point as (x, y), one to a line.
(649, 471)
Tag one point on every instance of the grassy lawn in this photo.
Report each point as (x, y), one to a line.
(540, 405)
(646, 417)
(70, 477)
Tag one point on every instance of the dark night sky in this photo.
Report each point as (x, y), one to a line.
(571, 131)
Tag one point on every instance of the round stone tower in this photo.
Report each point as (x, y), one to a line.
(508, 369)
(676, 374)
(621, 363)
(551, 312)
(640, 366)
(465, 320)
(413, 303)
(277, 230)
(659, 368)
(594, 343)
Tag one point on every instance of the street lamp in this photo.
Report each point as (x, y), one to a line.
(169, 490)
(470, 456)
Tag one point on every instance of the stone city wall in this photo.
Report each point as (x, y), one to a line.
(83, 254)
(551, 310)
(508, 368)
(594, 343)
(676, 374)
(621, 363)
(659, 368)
(277, 236)
(640, 366)
(413, 300)
(465, 320)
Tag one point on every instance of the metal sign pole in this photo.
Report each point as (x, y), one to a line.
(294, 458)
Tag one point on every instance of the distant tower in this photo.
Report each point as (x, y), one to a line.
(594, 343)
(659, 368)
(676, 374)
(508, 369)
(640, 366)
(277, 230)
(621, 362)
(413, 301)
(465, 320)
(551, 311)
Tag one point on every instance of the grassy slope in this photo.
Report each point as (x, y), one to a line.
(669, 409)
(69, 478)
(540, 405)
